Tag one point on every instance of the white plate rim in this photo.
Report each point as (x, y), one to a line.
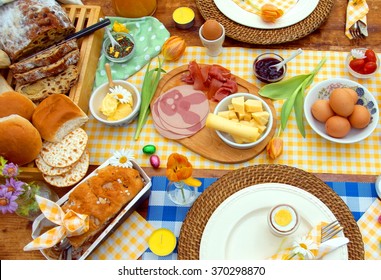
(241, 16)
(210, 252)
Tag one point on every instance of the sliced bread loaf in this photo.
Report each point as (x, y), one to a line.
(59, 84)
(56, 117)
(47, 71)
(47, 57)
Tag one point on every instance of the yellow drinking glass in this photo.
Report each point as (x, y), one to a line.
(134, 8)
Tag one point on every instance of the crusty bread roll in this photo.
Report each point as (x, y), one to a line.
(56, 116)
(12, 102)
(20, 141)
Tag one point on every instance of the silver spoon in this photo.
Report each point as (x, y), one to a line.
(112, 39)
(279, 65)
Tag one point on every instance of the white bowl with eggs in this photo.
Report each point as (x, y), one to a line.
(331, 129)
(98, 96)
(227, 138)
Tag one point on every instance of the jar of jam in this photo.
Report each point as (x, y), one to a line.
(264, 72)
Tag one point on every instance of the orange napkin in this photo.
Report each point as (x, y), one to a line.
(69, 224)
(356, 11)
(318, 249)
(371, 231)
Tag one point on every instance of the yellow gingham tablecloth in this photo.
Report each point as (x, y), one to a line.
(128, 242)
(371, 231)
(284, 5)
(313, 153)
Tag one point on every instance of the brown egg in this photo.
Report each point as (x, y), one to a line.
(353, 93)
(337, 126)
(341, 102)
(321, 110)
(360, 117)
(211, 30)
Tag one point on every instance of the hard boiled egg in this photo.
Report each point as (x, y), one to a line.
(283, 219)
(211, 30)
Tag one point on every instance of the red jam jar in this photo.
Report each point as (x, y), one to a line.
(264, 72)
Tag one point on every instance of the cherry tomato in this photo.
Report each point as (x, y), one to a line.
(357, 64)
(370, 56)
(369, 67)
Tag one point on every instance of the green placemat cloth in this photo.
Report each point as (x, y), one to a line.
(149, 35)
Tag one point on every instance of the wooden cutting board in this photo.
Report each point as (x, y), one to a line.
(206, 142)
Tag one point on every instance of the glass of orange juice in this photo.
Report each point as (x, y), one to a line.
(134, 8)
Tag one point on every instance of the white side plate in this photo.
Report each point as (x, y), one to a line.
(301, 10)
(238, 228)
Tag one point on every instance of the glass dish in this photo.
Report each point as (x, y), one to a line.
(129, 40)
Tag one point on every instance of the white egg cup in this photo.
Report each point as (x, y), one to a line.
(213, 47)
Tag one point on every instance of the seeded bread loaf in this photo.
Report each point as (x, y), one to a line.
(49, 70)
(28, 26)
(44, 58)
(59, 84)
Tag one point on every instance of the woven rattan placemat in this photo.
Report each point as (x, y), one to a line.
(202, 209)
(251, 35)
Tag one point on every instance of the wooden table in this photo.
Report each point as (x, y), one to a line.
(15, 232)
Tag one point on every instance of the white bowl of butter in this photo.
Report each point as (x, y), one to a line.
(116, 106)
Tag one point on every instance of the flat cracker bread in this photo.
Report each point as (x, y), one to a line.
(66, 152)
(46, 169)
(70, 178)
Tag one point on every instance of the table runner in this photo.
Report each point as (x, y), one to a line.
(313, 153)
(358, 196)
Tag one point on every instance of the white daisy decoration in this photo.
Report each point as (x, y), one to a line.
(303, 247)
(122, 158)
(359, 54)
(121, 94)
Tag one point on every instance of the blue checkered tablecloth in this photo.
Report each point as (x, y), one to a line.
(164, 213)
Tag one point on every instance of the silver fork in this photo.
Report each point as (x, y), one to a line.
(330, 230)
(355, 31)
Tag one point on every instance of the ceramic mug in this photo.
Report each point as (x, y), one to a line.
(213, 47)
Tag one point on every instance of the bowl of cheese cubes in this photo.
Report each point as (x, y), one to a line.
(241, 120)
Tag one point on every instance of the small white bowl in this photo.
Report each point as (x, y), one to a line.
(107, 43)
(323, 90)
(99, 94)
(227, 138)
(358, 75)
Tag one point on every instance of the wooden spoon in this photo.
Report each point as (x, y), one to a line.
(109, 76)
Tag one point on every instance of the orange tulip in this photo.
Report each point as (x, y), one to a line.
(270, 13)
(275, 147)
(180, 169)
(173, 48)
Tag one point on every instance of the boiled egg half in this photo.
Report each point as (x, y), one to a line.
(283, 219)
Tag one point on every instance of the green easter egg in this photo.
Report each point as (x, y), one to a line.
(149, 149)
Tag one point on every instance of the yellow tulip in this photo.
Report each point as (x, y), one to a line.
(173, 48)
(275, 147)
(180, 169)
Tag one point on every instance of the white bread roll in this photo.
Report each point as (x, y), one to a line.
(20, 141)
(12, 102)
(56, 116)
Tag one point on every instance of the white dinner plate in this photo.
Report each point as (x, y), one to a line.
(238, 229)
(301, 10)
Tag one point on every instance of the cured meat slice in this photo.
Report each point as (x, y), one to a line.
(180, 112)
(183, 107)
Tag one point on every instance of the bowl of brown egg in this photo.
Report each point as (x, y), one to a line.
(341, 110)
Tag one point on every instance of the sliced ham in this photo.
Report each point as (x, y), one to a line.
(216, 80)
